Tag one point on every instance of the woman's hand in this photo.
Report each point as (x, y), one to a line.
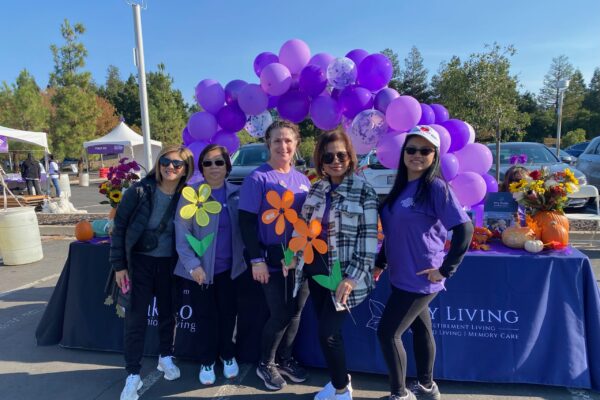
(286, 268)
(122, 278)
(198, 275)
(344, 289)
(377, 273)
(260, 272)
(433, 274)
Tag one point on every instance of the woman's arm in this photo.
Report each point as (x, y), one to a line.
(461, 238)
(127, 207)
(363, 259)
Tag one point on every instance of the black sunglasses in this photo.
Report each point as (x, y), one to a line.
(209, 163)
(328, 158)
(425, 151)
(165, 162)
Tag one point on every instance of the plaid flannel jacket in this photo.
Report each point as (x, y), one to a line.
(352, 231)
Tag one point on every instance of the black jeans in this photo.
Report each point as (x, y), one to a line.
(33, 183)
(151, 276)
(215, 309)
(280, 330)
(403, 310)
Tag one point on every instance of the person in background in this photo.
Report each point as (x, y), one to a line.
(30, 171)
(512, 175)
(54, 173)
(416, 217)
(210, 279)
(346, 207)
(264, 247)
(143, 256)
(79, 166)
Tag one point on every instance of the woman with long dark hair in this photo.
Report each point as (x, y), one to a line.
(416, 217)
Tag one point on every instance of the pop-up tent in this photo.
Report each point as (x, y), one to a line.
(123, 140)
(37, 138)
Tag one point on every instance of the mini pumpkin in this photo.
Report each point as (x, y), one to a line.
(516, 236)
(84, 231)
(534, 246)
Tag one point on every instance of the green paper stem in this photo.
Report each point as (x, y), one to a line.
(331, 281)
(200, 245)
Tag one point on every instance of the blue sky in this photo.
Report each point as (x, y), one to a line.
(199, 39)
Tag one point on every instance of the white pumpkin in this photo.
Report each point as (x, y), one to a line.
(534, 246)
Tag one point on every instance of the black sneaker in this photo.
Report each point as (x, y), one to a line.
(422, 393)
(270, 376)
(292, 370)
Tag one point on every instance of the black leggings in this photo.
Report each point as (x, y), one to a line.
(151, 276)
(403, 310)
(280, 330)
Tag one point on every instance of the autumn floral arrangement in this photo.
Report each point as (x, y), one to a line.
(545, 191)
(120, 177)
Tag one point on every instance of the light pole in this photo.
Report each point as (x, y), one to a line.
(563, 84)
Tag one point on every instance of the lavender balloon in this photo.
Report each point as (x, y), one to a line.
(293, 106)
(321, 60)
(354, 99)
(256, 125)
(403, 113)
(275, 79)
(490, 182)
(229, 140)
(445, 138)
(210, 95)
(474, 157)
(459, 131)
(294, 54)
(313, 80)
(262, 60)
(449, 166)
(374, 72)
(252, 100)
(441, 114)
(325, 113)
(469, 188)
(186, 138)
(368, 126)
(427, 115)
(389, 148)
(341, 72)
(202, 125)
(384, 97)
(231, 118)
(357, 55)
(232, 90)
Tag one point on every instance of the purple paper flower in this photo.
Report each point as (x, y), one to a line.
(518, 159)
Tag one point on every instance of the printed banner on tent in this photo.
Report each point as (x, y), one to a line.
(3, 144)
(106, 149)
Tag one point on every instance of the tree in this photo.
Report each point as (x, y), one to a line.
(70, 58)
(124, 96)
(573, 137)
(107, 119)
(414, 77)
(396, 81)
(591, 104)
(30, 113)
(560, 69)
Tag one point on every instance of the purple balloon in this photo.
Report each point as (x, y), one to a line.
(313, 80)
(474, 157)
(229, 140)
(273, 100)
(490, 182)
(275, 79)
(354, 99)
(445, 138)
(459, 131)
(427, 115)
(441, 114)
(469, 188)
(477, 211)
(196, 148)
(232, 90)
(389, 149)
(368, 126)
(403, 113)
(252, 100)
(384, 97)
(321, 60)
(186, 137)
(202, 125)
(449, 166)
(375, 71)
(335, 93)
(231, 118)
(341, 73)
(325, 113)
(210, 95)
(294, 54)
(357, 55)
(262, 60)
(471, 133)
(293, 106)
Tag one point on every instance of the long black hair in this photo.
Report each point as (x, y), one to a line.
(401, 180)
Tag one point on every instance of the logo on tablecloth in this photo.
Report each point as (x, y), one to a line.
(184, 316)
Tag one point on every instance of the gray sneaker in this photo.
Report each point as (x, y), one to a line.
(423, 393)
(270, 376)
(408, 396)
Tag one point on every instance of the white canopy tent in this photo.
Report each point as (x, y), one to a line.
(37, 138)
(123, 135)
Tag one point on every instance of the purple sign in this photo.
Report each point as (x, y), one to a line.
(3, 144)
(106, 149)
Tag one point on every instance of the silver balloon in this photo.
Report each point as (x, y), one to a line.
(257, 125)
(368, 126)
(341, 72)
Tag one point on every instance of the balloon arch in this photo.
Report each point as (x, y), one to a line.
(351, 91)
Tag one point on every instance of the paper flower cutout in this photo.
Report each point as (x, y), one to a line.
(200, 245)
(331, 281)
(281, 210)
(199, 204)
(307, 239)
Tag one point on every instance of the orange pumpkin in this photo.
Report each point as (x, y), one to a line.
(553, 225)
(84, 231)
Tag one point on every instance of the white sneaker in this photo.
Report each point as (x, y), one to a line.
(328, 392)
(230, 368)
(347, 395)
(166, 365)
(132, 385)
(207, 374)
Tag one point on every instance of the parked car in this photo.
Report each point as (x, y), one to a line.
(589, 162)
(379, 176)
(564, 156)
(576, 149)
(69, 164)
(538, 156)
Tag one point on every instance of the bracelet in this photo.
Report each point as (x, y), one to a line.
(255, 265)
(257, 260)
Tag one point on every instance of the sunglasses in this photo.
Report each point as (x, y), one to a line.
(209, 163)
(328, 158)
(425, 151)
(165, 162)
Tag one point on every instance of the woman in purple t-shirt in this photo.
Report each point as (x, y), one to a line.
(264, 243)
(416, 217)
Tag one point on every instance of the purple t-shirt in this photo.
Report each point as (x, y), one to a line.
(325, 220)
(415, 235)
(253, 198)
(223, 256)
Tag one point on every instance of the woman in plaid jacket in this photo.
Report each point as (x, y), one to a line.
(346, 207)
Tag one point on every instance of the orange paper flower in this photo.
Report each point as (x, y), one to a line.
(281, 210)
(307, 239)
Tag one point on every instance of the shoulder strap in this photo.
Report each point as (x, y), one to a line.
(163, 222)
